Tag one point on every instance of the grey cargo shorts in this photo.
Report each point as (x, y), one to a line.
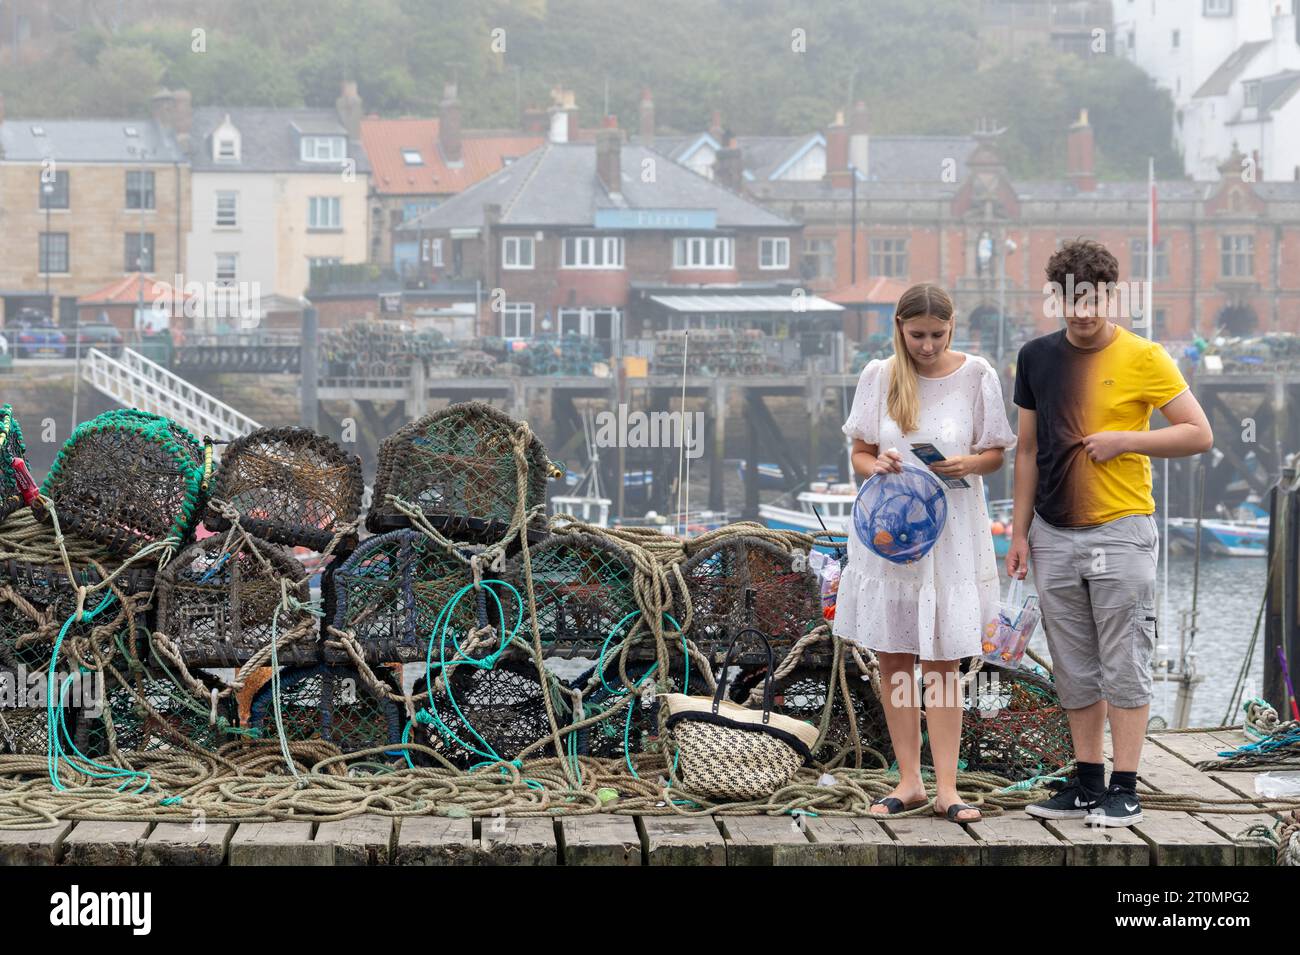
(1096, 586)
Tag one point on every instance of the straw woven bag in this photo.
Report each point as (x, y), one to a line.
(729, 752)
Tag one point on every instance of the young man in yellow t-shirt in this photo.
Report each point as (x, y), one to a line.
(1083, 518)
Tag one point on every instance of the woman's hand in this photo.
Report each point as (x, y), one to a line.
(888, 462)
(958, 467)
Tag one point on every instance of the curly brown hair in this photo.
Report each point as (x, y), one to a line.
(1084, 259)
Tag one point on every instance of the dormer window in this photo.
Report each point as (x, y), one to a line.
(226, 151)
(1250, 93)
(225, 142)
(412, 157)
(324, 149)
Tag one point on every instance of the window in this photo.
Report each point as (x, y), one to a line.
(324, 149)
(54, 252)
(139, 189)
(773, 253)
(889, 257)
(323, 212)
(818, 259)
(431, 252)
(417, 207)
(1250, 93)
(227, 269)
(1237, 256)
(227, 210)
(1138, 253)
(53, 192)
(517, 252)
(588, 322)
(227, 150)
(698, 252)
(323, 261)
(139, 252)
(1218, 8)
(1161, 323)
(517, 320)
(412, 157)
(593, 252)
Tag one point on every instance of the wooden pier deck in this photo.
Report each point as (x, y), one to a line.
(1164, 838)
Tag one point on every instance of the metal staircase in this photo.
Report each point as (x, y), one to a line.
(136, 382)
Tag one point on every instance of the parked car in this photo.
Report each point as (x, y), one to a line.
(40, 341)
(102, 335)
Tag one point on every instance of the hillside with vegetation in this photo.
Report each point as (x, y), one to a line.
(770, 66)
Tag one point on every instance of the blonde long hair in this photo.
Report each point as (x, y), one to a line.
(904, 402)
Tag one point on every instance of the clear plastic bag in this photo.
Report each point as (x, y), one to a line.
(828, 571)
(1007, 635)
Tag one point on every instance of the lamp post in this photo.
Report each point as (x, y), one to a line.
(47, 189)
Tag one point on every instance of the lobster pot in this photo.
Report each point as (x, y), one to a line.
(390, 592)
(633, 729)
(502, 712)
(290, 486)
(24, 715)
(803, 694)
(583, 588)
(146, 711)
(220, 608)
(11, 446)
(748, 582)
(330, 703)
(1014, 726)
(457, 467)
(36, 600)
(126, 479)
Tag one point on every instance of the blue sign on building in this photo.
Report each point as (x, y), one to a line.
(691, 219)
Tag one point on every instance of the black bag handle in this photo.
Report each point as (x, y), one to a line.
(767, 677)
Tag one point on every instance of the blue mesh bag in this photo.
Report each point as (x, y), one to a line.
(900, 516)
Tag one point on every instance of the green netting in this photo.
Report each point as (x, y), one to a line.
(583, 588)
(390, 592)
(148, 710)
(11, 446)
(1014, 725)
(126, 479)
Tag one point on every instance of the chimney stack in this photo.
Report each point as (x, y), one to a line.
(647, 127)
(858, 155)
(715, 126)
(449, 141)
(533, 121)
(348, 107)
(564, 116)
(837, 153)
(174, 111)
(609, 148)
(729, 166)
(1079, 156)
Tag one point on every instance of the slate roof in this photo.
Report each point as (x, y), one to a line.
(86, 140)
(269, 139)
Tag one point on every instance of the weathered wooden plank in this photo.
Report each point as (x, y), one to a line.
(105, 843)
(839, 840)
(1168, 767)
(278, 843)
(435, 840)
(682, 840)
(763, 840)
(361, 840)
(1178, 839)
(33, 846)
(181, 843)
(528, 840)
(1095, 845)
(930, 840)
(1015, 838)
(600, 840)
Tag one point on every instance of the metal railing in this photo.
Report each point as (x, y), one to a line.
(136, 382)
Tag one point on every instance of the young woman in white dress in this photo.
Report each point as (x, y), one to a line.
(935, 608)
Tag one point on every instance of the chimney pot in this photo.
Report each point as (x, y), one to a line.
(609, 149)
(349, 109)
(837, 153)
(1080, 151)
(647, 127)
(449, 138)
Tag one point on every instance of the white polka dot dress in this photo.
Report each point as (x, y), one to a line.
(937, 606)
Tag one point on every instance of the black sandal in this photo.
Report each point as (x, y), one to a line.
(894, 805)
(956, 809)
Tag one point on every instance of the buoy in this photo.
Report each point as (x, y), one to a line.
(998, 528)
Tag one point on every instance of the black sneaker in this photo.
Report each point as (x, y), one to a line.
(1119, 807)
(1072, 801)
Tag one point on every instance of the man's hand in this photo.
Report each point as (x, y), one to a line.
(1018, 558)
(888, 462)
(957, 467)
(1105, 445)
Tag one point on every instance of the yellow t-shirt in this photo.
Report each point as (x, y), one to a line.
(1076, 392)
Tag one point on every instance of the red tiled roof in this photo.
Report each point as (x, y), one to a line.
(384, 140)
(126, 291)
(878, 290)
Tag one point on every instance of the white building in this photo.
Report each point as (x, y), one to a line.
(1231, 67)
